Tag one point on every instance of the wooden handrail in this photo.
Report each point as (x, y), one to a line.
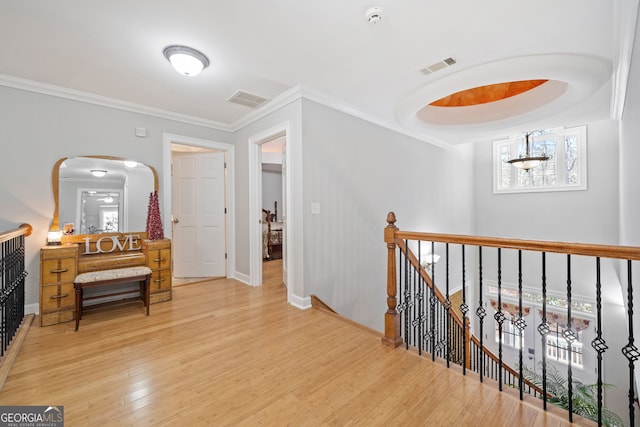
(603, 251)
(24, 229)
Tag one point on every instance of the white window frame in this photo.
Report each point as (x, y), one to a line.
(512, 336)
(498, 188)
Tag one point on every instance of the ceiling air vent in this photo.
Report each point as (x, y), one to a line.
(447, 62)
(247, 99)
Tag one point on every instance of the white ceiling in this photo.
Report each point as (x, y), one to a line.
(326, 51)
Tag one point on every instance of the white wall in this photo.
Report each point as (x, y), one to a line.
(630, 178)
(588, 216)
(357, 172)
(36, 130)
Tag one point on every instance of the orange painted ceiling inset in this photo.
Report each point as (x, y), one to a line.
(485, 94)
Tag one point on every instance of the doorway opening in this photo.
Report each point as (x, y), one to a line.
(198, 197)
(278, 136)
(273, 213)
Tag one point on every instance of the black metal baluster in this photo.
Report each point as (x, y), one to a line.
(630, 351)
(520, 324)
(413, 316)
(406, 294)
(598, 343)
(480, 311)
(499, 317)
(464, 309)
(447, 303)
(432, 303)
(568, 335)
(544, 330)
(420, 293)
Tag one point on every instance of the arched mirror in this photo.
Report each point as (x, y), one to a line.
(98, 194)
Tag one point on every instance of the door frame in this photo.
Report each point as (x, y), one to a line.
(255, 203)
(229, 185)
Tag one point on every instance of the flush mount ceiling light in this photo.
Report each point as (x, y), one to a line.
(99, 173)
(187, 61)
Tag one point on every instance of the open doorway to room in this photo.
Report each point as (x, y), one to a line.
(276, 139)
(198, 203)
(273, 213)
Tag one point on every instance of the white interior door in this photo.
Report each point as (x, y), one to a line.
(198, 215)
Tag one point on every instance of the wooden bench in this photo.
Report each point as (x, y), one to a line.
(111, 277)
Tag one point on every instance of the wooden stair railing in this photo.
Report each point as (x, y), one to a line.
(468, 338)
(400, 327)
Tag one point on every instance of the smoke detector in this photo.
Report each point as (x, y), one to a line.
(373, 15)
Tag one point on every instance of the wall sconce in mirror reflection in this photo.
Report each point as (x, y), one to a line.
(54, 237)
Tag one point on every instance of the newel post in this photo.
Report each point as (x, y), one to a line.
(392, 336)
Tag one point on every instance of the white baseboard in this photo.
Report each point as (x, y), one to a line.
(302, 303)
(241, 277)
(32, 308)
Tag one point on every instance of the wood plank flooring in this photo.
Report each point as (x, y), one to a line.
(223, 353)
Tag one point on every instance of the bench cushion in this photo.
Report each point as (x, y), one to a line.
(116, 273)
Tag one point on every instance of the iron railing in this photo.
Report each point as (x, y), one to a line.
(12, 275)
(421, 316)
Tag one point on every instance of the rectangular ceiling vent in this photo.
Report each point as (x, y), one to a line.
(247, 99)
(447, 62)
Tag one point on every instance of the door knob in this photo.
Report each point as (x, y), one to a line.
(174, 220)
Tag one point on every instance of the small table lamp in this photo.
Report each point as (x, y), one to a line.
(54, 237)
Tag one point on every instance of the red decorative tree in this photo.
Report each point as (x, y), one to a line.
(154, 223)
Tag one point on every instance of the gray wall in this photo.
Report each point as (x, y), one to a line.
(630, 174)
(36, 130)
(357, 172)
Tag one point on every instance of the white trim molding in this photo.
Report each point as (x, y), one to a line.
(625, 17)
(230, 203)
(90, 98)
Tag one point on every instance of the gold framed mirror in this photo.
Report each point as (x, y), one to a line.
(101, 194)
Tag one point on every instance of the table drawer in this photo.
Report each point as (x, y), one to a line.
(57, 296)
(58, 270)
(159, 259)
(160, 280)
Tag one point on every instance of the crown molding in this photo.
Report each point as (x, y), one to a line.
(280, 101)
(90, 98)
(336, 104)
(625, 20)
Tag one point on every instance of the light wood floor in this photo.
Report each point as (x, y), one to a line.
(224, 353)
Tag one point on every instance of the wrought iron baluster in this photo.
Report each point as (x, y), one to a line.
(419, 295)
(499, 317)
(630, 351)
(570, 337)
(464, 309)
(520, 324)
(544, 330)
(598, 344)
(432, 303)
(407, 295)
(480, 311)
